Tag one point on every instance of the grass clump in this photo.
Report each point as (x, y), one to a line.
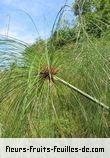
(33, 103)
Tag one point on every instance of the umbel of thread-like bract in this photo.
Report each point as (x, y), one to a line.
(48, 73)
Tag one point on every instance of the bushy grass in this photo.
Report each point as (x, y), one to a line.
(31, 106)
(34, 104)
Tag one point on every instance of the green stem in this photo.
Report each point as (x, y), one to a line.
(82, 93)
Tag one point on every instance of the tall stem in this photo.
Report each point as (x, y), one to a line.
(82, 93)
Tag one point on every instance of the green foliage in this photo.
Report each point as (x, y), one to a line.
(93, 15)
(82, 7)
(63, 37)
(35, 105)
